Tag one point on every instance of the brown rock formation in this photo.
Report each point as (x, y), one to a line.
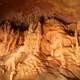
(39, 40)
(30, 54)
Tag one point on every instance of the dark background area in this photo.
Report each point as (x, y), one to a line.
(69, 10)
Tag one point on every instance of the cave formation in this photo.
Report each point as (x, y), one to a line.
(39, 40)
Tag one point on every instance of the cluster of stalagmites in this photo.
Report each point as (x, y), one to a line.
(45, 49)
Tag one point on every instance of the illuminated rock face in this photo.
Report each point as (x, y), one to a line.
(39, 43)
(31, 55)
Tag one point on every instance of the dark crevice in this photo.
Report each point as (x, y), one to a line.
(2, 21)
(42, 21)
(62, 21)
(69, 78)
(19, 26)
(71, 33)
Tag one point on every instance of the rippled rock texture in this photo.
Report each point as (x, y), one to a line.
(39, 40)
(40, 49)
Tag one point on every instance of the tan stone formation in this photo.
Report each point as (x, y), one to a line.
(39, 40)
(55, 54)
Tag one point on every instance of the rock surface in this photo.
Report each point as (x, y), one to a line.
(31, 55)
(40, 40)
